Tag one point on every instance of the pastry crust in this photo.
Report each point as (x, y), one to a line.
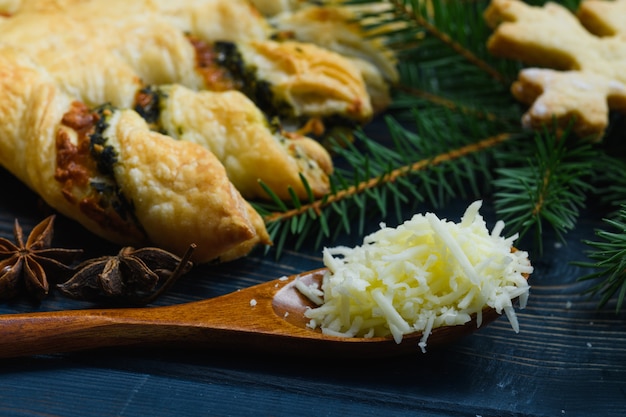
(313, 81)
(335, 28)
(235, 131)
(77, 59)
(62, 60)
(180, 192)
(113, 70)
(144, 41)
(330, 26)
(177, 192)
(232, 20)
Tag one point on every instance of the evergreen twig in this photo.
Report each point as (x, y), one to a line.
(608, 260)
(387, 178)
(546, 180)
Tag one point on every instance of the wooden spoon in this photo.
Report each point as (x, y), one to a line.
(267, 317)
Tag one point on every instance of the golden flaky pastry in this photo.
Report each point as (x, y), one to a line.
(112, 174)
(236, 131)
(330, 26)
(291, 79)
(153, 118)
(113, 68)
(336, 28)
(585, 74)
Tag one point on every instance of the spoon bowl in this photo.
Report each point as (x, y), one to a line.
(268, 317)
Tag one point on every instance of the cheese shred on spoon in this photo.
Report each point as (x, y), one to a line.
(426, 273)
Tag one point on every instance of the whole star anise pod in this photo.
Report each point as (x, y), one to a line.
(30, 264)
(131, 276)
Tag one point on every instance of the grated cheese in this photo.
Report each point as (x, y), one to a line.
(426, 273)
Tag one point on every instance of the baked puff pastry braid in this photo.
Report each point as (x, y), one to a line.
(109, 172)
(237, 132)
(331, 27)
(254, 152)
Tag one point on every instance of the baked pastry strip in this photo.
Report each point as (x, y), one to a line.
(292, 80)
(300, 78)
(330, 26)
(337, 28)
(108, 171)
(251, 150)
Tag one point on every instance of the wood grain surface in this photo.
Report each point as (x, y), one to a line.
(569, 358)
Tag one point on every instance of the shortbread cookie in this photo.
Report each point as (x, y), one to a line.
(583, 97)
(602, 17)
(551, 36)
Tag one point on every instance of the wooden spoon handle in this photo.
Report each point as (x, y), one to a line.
(225, 321)
(39, 333)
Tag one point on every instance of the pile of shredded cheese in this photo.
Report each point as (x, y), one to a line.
(426, 273)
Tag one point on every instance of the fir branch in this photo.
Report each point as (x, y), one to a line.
(390, 177)
(610, 182)
(451, 67)
(441, 16)
(543, 181)
(442, 159)
(447, 92)
(608, 255)
(415, 28)
(447, 103)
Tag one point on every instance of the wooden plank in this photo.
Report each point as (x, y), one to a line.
(569, 358)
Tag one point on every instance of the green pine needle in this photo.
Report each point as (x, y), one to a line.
(608, 255)
(376, 179)
(610, 182)
(543, 181)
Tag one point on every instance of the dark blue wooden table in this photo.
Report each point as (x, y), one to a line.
(569, 358)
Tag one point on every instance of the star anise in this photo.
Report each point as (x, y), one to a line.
(131, 276)
(31, 264)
